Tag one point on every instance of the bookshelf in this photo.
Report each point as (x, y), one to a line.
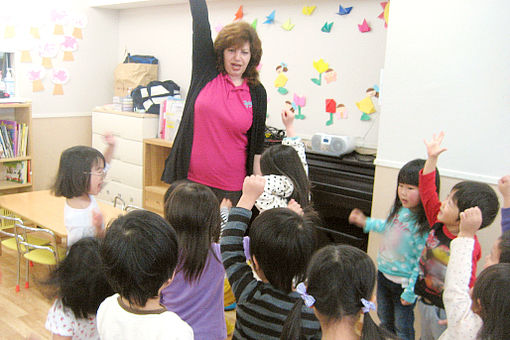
(21, 113)
(155, 152)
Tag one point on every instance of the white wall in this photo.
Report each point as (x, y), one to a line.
(447, 67)
(165, 32)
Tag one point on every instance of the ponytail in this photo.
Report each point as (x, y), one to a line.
(371, 331)
(292, 326)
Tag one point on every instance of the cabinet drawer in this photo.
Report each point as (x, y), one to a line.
(126, 173)
(128, 194)
(126, 150)
(134, 128)
(154, 202)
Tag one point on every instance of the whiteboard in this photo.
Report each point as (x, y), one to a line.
(448, 70)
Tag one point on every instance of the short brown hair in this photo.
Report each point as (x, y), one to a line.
(234, 35)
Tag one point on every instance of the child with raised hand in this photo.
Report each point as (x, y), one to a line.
(81, 286)
(196, 292)
(444, 220)
(80, 176)
(338, 287)
(484, 315)
(405, 232)
(504, 189)
(140, 254)
(281, 244)
(285, 170)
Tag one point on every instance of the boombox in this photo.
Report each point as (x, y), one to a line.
(332, 145)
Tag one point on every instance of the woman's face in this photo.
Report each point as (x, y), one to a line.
(236, 60)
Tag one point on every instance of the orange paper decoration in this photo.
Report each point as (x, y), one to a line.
(68, 56)
(25, 57)
(58, 90)
(46, 62)
(9, 32)
(77, 33)
(37, 86)
(59, 29)
(34, 32)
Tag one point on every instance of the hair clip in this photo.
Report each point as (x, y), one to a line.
(308, 299)
(367, 305)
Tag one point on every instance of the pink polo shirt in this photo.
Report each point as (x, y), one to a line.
(223, 116)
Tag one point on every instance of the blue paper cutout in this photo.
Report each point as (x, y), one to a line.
(344, 11)
(270, 18)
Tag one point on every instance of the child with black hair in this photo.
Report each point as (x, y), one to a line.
(81, 286)
(285, 170)
(444, 220)
(80, 176)
(338, 287)
(484, 314)
(140, 253)
(281, 244)
(405, 232)
(196, 292)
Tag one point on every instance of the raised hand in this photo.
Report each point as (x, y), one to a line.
(295, 206)
(253, 187)
(504, 189)
(470, 222)
(434, 148)
(288, 122)
(358, 218)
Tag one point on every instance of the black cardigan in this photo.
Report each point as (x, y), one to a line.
(203, 71)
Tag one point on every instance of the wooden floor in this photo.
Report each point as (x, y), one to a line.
(24, 313)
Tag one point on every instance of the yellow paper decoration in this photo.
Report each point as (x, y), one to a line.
(25, 57)
(281, 80)
(59, 30)
(77, 33)
(365, 105)
(58, 90)
(34, 32)
(10, 32)
(321, 66)
(37, 86)
(387, 12)
(46, 62)
(68, 56)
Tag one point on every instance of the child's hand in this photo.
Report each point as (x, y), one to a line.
(434, 146)
(358, 218)
(404, 302)
(504, 189)
(97, 222)
(288, 122)
(253, 187)
(470, 222)
(109, 139)
(295, 206)
(226, 203)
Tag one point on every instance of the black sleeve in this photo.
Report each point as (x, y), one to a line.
(261, 120)
(203, 48)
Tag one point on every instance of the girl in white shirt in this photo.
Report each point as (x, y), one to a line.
(80, 176)
(81, 286)
(484, 314)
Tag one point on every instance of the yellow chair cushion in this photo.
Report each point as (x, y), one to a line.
(44, 256)
(10, 243)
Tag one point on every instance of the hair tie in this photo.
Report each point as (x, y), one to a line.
(367, 305)
(308, 299)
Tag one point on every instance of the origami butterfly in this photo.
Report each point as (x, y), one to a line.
(344, 11)
(327, 27)
(308, 10)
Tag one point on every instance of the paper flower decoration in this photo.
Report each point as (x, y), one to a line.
(48, 50)
(35, 75)
(299, 102)
(79, 22)
(321, 66)
(34, 32)
(8, 22)
(331, 109)
(59, 76)
(69, 45)
(25, 46)
(59, 17)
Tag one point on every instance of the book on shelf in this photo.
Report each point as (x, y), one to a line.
(170, 115)
(17, 171)
(13, 139)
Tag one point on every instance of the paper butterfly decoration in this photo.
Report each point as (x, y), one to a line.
(327, 27)
(287, 25)
(308, 10)
(270, 18)
(363, 28)
(239, 13)
(344, 11)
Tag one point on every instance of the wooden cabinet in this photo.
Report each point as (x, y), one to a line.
(155, 152)
(125, 177)
(21, 113)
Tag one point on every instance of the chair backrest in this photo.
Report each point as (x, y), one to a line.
(22, 230)
(131, 207)
(118, 198)
(8, 222)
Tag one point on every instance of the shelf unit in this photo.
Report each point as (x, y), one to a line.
(21, 113)
(155, 152)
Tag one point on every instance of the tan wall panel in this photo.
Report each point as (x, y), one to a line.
(50, 136)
